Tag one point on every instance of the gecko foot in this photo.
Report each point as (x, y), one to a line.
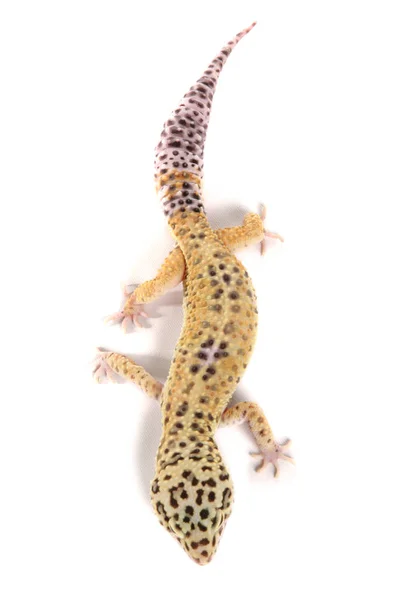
(272, 455)
(267, 234)
(102, 373)
(129, 315)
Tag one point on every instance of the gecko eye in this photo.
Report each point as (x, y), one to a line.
(218, 521)
(175, 528)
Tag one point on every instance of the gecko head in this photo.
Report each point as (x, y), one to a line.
(193, 502)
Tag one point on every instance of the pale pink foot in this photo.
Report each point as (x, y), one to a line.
(127, 317)
(267, 234)
(102, 373)
(273, 455)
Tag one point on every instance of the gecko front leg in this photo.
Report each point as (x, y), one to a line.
(268, 449)
(108, 363)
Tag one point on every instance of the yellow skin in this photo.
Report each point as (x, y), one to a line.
(192, 492)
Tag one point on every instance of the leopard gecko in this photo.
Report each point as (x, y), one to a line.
(192, 492)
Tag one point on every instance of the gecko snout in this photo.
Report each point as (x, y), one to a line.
(193, 504)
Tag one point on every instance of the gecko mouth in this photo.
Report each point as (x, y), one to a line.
(198, 538)
(200, 548)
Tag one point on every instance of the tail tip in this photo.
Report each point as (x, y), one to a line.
(246, 31)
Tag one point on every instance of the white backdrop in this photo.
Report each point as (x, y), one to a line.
(309, 117)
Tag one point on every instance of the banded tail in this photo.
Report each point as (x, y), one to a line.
(179, 154)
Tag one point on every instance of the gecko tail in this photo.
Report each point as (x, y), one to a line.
(180, 151)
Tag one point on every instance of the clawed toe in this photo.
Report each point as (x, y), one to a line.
(114, 318)
(267, 234)
(261, 464)
(127, 322)
(273, 235)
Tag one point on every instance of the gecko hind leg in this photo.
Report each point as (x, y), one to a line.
(109, 363)
(268, 449)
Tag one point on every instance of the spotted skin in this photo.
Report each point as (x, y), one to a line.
(172, 271)
(192, 492)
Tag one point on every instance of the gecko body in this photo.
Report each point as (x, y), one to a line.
(192, 492)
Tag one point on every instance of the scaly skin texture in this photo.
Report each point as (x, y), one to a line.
(192, 493)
